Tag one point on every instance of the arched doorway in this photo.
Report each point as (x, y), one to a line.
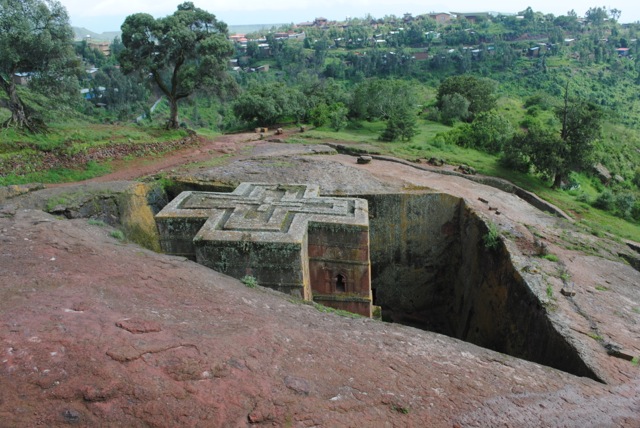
(341, 283)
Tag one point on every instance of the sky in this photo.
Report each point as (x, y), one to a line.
(108, 15)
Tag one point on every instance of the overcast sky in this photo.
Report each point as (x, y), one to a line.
(108, 15)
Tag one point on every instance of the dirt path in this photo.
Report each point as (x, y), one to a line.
(208, 149)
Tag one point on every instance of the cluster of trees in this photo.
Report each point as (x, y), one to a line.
(187, 53)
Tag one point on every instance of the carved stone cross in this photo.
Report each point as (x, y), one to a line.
(286, 236)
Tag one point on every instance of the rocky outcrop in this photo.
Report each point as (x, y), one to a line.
(434, 268)
(99, 333)
(127, 205)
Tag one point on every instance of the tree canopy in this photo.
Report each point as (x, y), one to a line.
(35, 39)
(556, 152)
(478, 91)
(182, 52)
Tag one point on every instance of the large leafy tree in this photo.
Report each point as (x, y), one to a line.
(266, 104)
(391, 100)
(555, 153)
(181, 53)
(35, 38)
(480, 92)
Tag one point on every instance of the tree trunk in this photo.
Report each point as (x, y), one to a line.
(173, 123)
(558, 180)
(20, 115)
(15, 105)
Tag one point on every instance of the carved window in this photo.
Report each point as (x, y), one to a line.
(341, 283)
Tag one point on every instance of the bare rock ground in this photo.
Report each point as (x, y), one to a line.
(96, 332)
(100, 333)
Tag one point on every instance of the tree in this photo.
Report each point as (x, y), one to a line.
(581, 126)
(596, 15)
(555, 153)
(35, 38)
(401, 125)
(453, 107)
(490, 132)
(380, 98)
(477, 90)
(265, 104)
(182, 52)
(392, 100)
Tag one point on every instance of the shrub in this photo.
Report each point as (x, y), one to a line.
(605, 200)
(117, 234)
(249, 281)
(492, 237)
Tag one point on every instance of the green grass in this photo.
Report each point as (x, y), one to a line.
(249, 281)
(58, 175)
(491, 239)
(595, 336)
(117, 234)
(551, 257)
(340, 312)
(95, 222)
(28, 151)
(549, 291)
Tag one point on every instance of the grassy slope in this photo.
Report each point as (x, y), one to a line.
(424, 146)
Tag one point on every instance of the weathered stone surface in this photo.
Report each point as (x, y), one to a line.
(286, 236)
(126, 204)
(228, 355)
(225, 350)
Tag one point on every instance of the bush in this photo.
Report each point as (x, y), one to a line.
(492, 237)
(249, 281)
(624, 204)
(604, 201)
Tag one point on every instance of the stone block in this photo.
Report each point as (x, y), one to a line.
(286, 236)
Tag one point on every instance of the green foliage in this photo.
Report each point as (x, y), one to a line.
(549, 291)
(338, 116)
(400, 409)
(329, 310)
(182, 52)
(249, 281)
(491, 239)
(556, 153)
(551, 257)
(453, 107)
(382, 98)
(265, 104)
(489, 132)
(117, 234)
(401, 125)
(595, 336)
(95, 222)
(35, 38)
(478, 91)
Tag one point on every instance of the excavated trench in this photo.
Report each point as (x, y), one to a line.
(431, 270)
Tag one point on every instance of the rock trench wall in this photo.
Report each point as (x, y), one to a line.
(432, 270)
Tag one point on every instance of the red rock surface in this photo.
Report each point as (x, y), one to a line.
(95, 332)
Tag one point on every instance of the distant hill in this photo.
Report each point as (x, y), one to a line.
(245, 29)
(108, 36)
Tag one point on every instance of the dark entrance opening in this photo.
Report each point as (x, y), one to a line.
(341, 283)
